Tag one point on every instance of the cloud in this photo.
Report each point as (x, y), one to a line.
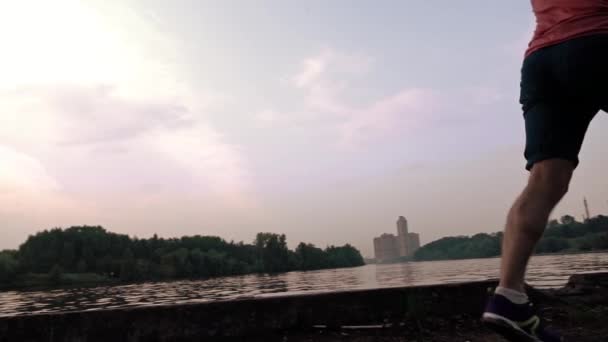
(399, 113)
(517, 46)
(31, 197)
(314, 70)
(99, 120)
(89, 155)
(267, 117)
(327, 80)
(98, 123)
(110, 89)
(66, 114)
(21, 172)
(198, 148)
(331, 81)
(321, 89)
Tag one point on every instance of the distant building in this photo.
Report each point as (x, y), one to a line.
(413, 241)
(402, 237)
(386, 247)
(390, 247)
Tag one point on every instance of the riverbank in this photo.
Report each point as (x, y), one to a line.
(46, 282)
(409, 259)
(425, 313)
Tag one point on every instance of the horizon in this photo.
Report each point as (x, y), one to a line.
(320, 121)
(371, 257)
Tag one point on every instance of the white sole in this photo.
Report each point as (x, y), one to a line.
(502, 323)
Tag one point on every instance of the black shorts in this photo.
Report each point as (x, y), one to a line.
(562, 88)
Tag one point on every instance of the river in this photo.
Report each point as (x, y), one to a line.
(548, 271)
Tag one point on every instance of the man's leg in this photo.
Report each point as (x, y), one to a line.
(508, 311)
(527, 219)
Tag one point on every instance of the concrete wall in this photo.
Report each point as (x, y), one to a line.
(249, 317)
(245, 318)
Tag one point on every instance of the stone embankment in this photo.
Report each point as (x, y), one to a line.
(438, 313)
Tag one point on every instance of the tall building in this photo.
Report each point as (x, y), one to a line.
(385, 247)
(402, 236)
(402, 226)
(413, 243)
(390, 247)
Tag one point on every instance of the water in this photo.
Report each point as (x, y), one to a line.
(545, 272)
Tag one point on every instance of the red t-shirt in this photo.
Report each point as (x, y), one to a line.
(560, 20)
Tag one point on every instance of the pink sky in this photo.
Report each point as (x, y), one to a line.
(221, 118)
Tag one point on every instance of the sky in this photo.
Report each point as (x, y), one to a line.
(321, 120)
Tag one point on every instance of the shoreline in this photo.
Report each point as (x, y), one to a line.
(493, 257)
(41, 282)
(35, 284)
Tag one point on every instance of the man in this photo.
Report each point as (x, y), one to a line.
(564, 84)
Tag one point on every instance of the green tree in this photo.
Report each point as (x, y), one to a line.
(8, 266)
(197, 262)
(552, 245)
(273, 250)
(81, 267)
(144, 270)
(345, 256)
(93, 249)
(567, 219)
(128, 266)
(181, 262)
(56, 275)
(311, 257)
(214, 263)
(67, 256)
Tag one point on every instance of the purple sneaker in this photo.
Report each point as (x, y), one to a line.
(516, 322)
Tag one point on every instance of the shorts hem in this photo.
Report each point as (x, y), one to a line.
(540, 158)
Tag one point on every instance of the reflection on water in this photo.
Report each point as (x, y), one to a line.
(544, 271)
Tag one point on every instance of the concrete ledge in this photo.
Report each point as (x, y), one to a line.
(247, 317)
(254, 317)
(588, 280)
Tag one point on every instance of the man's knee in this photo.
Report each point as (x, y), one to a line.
(552, 177)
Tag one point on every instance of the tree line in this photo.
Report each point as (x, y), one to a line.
(562, 236)
(93, 250)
